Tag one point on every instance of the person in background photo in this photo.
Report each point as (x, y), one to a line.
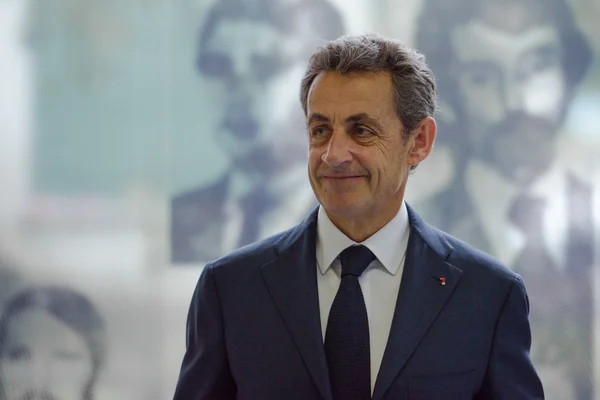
(52, 346)
(507, 72)
(254, 50)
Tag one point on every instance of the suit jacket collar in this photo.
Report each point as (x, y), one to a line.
(427, 283)
(291, 279)
(388, 244)
(306, 230)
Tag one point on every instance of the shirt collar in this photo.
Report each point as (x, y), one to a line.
(388, 244)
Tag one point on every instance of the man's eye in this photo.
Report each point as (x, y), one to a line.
(319, 132)
(361, 131)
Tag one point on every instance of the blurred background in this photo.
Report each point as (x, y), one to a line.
(141, 139)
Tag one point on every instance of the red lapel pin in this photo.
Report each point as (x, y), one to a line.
(443, 281)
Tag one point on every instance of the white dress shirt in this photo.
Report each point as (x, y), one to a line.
(380, 282)
(492, 196)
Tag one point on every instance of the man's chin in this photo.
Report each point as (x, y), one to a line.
(342, 207)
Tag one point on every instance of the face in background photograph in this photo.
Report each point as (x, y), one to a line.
(245, 56)
(514, 66)
(42, 358)
(513, 87)
(257, 52)
(47, 355)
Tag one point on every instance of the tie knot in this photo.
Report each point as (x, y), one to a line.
(355, 259)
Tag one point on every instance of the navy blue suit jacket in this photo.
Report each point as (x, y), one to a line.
(254, 329)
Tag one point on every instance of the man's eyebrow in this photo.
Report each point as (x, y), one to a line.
(365, 118)
(356, 118)
(316, 117)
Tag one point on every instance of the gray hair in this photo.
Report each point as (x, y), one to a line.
(413, 82)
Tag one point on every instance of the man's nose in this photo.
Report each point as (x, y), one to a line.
(338, 149)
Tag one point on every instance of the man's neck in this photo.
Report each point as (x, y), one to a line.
(361, 228)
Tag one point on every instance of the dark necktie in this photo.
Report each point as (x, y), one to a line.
(347, 335)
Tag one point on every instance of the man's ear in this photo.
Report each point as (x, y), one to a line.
(422, 141)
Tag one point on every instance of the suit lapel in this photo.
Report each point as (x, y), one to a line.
(292, 282)
(420, 299)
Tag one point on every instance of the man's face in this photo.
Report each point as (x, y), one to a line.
(43, 359)
(358, 160)
(246, 56)
(512, 87)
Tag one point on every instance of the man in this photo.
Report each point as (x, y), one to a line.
(416, 314)
(52, 346)
(508, 71)
(254, 50)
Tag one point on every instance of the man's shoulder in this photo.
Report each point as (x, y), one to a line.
(473, 261)
(255, 255)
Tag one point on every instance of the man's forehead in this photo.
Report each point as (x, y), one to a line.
(368, 93)
(331, 85)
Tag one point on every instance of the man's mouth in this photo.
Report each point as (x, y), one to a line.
(342, 176)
